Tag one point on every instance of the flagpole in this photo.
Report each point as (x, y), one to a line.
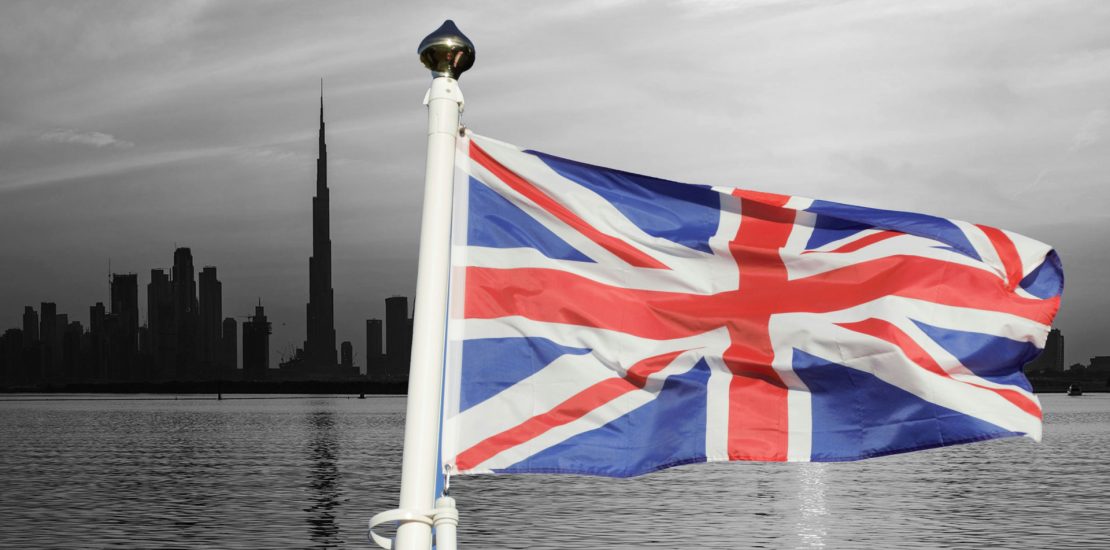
(447, 53)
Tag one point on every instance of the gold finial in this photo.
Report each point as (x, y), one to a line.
(447, 51)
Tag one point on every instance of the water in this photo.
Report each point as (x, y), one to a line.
(309, 472)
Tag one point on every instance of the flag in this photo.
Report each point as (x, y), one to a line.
(609, 323)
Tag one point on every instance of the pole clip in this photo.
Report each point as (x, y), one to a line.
(444, 513)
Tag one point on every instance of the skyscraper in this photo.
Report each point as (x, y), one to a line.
(71, 349)
(98, 346)
(1051, 359)
(30, 326)
(159, 307)
(347, 355)
(398, 340)
(51, 339)
(319, 347)
(374, 362)
(125, 306)
(256, 345)
(57, 369)
(228, 347)
(185, 317)
(211, 315)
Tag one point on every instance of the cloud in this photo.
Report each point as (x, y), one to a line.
(92, 168)
(263, 155)
(94, 139)
(1091, 131)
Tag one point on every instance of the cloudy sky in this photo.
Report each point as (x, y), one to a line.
(127, 128)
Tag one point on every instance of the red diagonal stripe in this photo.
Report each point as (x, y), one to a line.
(617, 247)
(1007, 252)
(577, 406)
(888, 332)
(859, 243)
(916, 277)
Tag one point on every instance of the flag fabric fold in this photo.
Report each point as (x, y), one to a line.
(609, 323)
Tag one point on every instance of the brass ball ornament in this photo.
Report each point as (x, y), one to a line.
(447, 51)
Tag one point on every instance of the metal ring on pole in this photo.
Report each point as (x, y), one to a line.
(446, 515)
(400, 517)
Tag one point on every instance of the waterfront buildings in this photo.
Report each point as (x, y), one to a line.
(1051, 360)
(256, 345)
(211, 317)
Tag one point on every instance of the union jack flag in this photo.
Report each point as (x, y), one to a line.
(609, 323)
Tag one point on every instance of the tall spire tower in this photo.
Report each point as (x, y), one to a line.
(319, 348)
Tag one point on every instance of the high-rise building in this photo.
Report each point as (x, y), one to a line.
(228, 340)
(375, 363)
(125, 306)
(144, 349)
(346, 355)
(96, 318)
(211, 316)
(12, 352)
(57, 368)
(398, 340)
(256, 345)
(1051, 359)
(98, 347)
(51, 339)
(71, 349)
(1054, 350)
(30, 326)
(159, 318)
(185, 315)
(319, 346)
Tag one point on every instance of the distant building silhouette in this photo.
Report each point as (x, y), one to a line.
(71, 349)
(1100, 366)
(11, 357)
(375, 361)
(211, 318)
(256, 345)
(347, 355)
(185, 316)
(98, 342)
(57, 370)
(145, 356)
(398, 336)
(160, 323)
(51, 340)
(1051, 360)
(319, 347)
(30, 326)
(124, 290)
(228, 352)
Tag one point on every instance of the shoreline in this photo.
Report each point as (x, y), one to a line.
(342, 387)
(311, 387)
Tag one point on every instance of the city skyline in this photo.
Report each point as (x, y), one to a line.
(129, 131)
(184, 340)
(198, 295)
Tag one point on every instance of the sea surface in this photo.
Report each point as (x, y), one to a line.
(100, 471)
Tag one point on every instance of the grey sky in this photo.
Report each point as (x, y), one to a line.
(127, 127)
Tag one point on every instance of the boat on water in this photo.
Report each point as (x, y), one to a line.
(1074, 390)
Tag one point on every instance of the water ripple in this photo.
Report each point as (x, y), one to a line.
(308, 473)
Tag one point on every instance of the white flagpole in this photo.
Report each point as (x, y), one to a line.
(447, 53)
